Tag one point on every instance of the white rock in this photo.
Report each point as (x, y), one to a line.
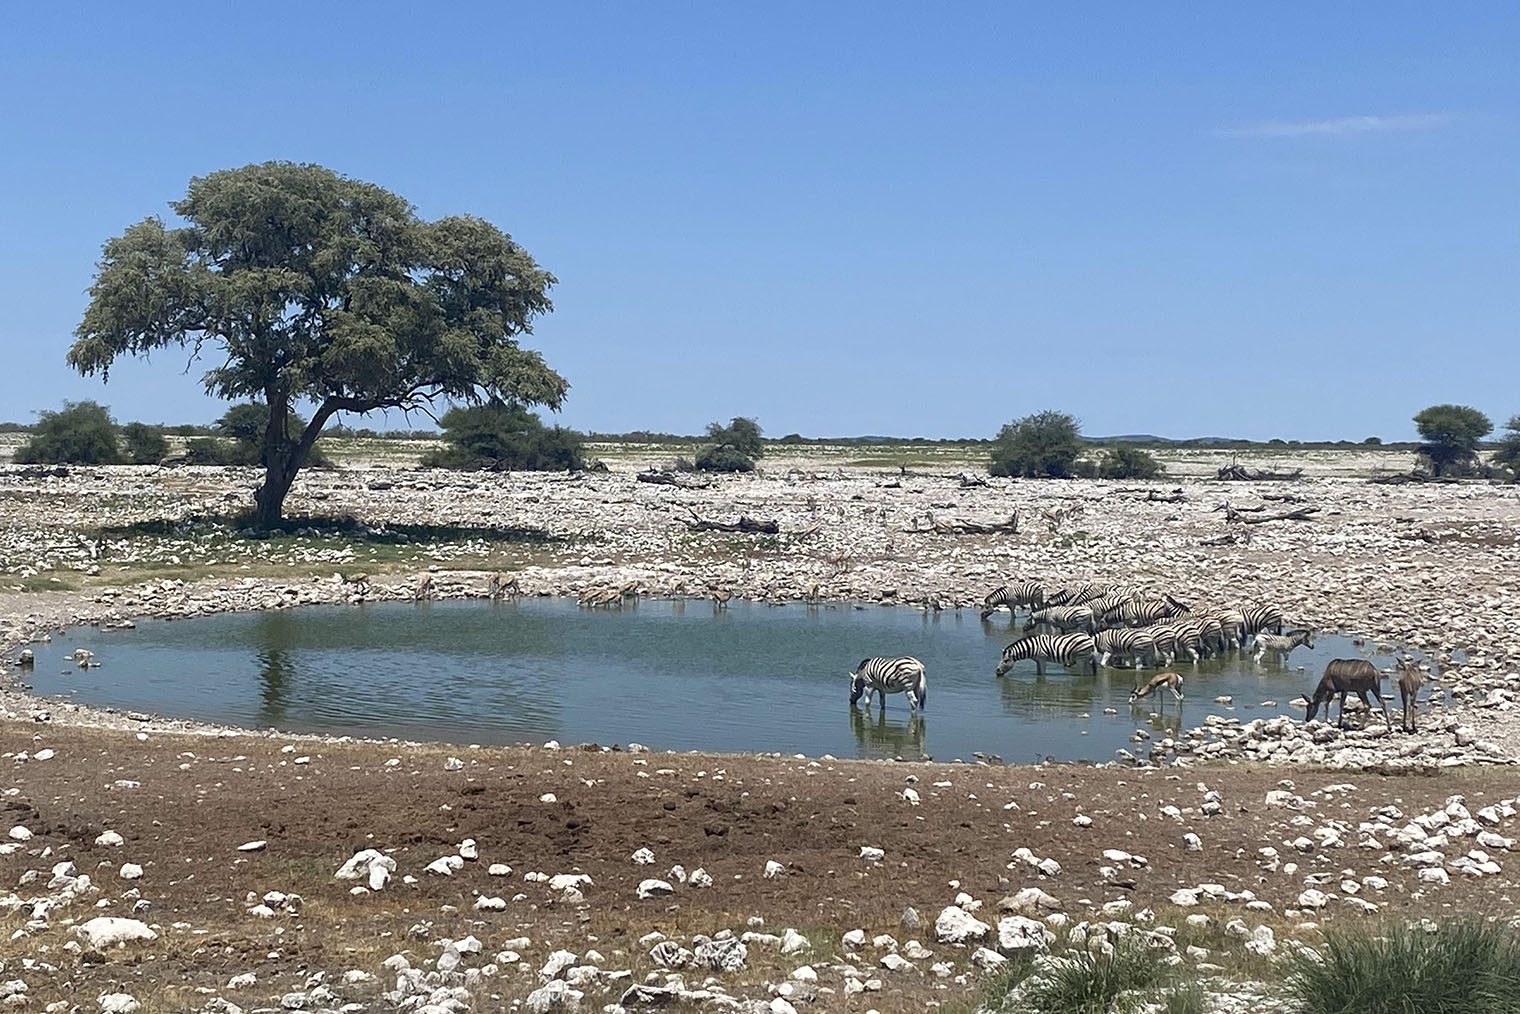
(486, 904)
(20, 833)
(1433, 875)
(468, 850)
(871, 854)
(253, 846)
(655, 889)
(894, 962)
(131, 871)
(643, 857)
(773, 869)
(499, 870)
(1017, 934)
(781, 1006)
(370, 865)
(109, 839)
(444, 866)
(700, 878)
(1312, 899)
(805, 974)
(854, 940)
(554, 995)
(793, 942)
(957, 926)
(118, 1003)
(243, 981)
(558, 962)
(110, 931)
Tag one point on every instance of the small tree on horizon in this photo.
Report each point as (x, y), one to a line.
(735, 448)
(1045, 444)
(303, 284)
(1508, 454)
(1127, 461)
(1451, 434)
(145, 445)
(80, 433)
(505, 438)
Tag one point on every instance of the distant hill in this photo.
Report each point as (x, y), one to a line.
(1149, 438)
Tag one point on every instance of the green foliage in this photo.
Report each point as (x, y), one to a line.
(1509, 445)
(1043, 444)
(218, 451)
(246, 425)
(304, 284)
(1126, 462)
(1451, 434)
(1189, 998)
(1466, 966)
(1373, 442)
(81, 433)
(145, 445)
(505, 437)
(1082, 982)
(735, 447)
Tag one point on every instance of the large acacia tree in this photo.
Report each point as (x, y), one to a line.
(304, 285)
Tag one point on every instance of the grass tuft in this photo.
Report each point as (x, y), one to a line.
(1083, 982)
(1466, 966)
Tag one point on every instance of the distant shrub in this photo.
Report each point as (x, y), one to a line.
(1465, 966)
(145, 445)
(216, 451)
(1043, 444)
(735, 447)
(1508, 454)
(1084, 468)
(81, 433)
(1126, 462)
(505, 438)
(1373, 442)
(1451, 434)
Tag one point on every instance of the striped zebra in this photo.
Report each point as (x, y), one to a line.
(890, 676)
(1144, 612)
(1067, 649)
(1281, 645)
(1125, 642)
(1260, 619)
(1078, 594)
(1173, 639)
(1232, 623)
(1063, 618)
(1022, 593)
(1205, 634)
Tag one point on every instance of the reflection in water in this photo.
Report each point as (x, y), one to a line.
(878, 737)
(274, 672)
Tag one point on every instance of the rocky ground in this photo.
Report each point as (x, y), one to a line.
(1434, 568)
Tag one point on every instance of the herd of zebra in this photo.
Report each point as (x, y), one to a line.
(1091, 624)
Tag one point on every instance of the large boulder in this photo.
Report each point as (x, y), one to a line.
(111, 931)
(1017, 934)
(957, 926)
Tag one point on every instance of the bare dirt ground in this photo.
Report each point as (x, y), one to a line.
(1433, 567)
(183, 804)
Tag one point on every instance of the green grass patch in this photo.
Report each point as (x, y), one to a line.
(1086, 982)
(1465, 966)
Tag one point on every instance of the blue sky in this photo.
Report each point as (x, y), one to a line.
(844, 218)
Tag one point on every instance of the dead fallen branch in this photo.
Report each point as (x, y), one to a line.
(1239, 473)
(744, 524)
(670, 479)
(1302, 514)
(963, 526)
(1229, 539)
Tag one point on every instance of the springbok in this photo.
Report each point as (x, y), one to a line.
(1348, 676)
(1171, 680)
(1411, 679)
(501, 585)
(424, 589)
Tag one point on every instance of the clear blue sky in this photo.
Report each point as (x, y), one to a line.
(844, 218)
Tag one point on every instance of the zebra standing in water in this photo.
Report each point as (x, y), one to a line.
(890, 676)
(1024, 593)
(1281, 645)
(1260, 619)
(1066, 649)
(1062, 617)
(1137, 643)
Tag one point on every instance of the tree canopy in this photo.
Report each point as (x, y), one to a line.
(1509, 445)
(505, 437)
(310, 286)
(735, 447)
(81, 433)
(1043, 444)
(1451, 434)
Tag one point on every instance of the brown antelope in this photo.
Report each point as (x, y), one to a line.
(1171, 680)
(1348, 676)
(424, 589)
(1411, 679)
(720, 597)
(501, 585)
(360, 581)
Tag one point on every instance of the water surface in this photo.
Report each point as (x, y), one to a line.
(668, 674)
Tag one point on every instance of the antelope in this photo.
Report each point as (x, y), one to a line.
(501, 585)
(1170, 680)
(1348, 676)
(1411, 679)
(27, 659)
(720, 597)
(424, 589)
(359, 580)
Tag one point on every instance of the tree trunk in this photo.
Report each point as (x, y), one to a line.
(283, 459)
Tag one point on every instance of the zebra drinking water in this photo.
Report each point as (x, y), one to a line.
(1282, 645)
(1137, 643)
(1067, 649)
(1063, 618)
(890, 676)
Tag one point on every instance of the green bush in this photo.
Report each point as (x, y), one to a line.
(245, 424)
(735, 447)
(1508, 454)
(1451, 434)
(505, 438)
(145, 445)
(1126, 462)
(81, 433)
(1466, 966)
(216, 451)
(1083, 982)
(1044, 444)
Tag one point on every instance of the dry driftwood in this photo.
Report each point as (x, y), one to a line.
(971, 480)
(1302, 514)
(1239, 473)
(744, 524)
(1228, 539)
(963, 526)
(669, 479)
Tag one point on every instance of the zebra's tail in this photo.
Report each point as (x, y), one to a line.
(922, 689)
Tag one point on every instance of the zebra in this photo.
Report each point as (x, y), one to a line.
(1232, 624)
(1078, 594)
(1107, 607)
(1023, 593)
(1172, 639)
(1171, 680)
(1282, 644)
(1132, 643)
(890, 676)
(1259, 619)
(1144, 612)
(1066, 649)
(1063, 617)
